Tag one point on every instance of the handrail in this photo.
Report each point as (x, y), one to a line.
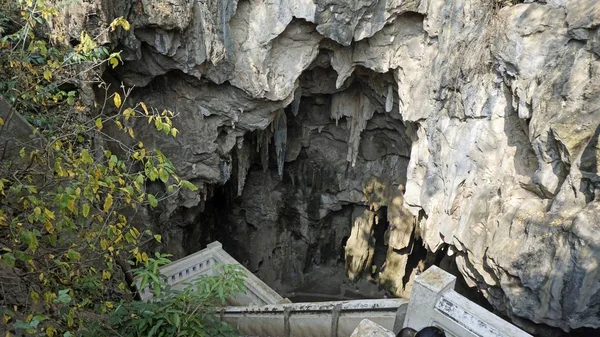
(182, 271)
(334, 319)
(433, 301)
(263, 312)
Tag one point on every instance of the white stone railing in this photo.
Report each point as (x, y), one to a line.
(433, 301)
(263, 312)
(179, 273)
(316, 319)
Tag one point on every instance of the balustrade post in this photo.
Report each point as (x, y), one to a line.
(427, 290)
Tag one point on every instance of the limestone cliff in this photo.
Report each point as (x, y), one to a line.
(487, 111)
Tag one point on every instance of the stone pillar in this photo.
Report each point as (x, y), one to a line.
(428, 289)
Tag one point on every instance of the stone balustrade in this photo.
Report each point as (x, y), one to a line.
(433, 301)
(316, 319)
(263, 312)
(179, 273)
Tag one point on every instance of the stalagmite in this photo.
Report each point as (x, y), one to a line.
(360, 245)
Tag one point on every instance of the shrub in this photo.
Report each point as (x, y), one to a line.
(66, 244)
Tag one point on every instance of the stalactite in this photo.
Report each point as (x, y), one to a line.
(280, 138)
(243, 164)
(359, 109)
(296, 101)
(262, 145)
(389, 99)
(225, 170)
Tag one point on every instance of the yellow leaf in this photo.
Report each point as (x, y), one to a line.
(108, 202)
(48, 213)
(144, 107)
(34, 296)
(157, 237)
(128, 113)
(71, 205)
(114, 62)
(47, 75)
(1, 121)
(86, 210)
(120, 22)
(106, 275)
(117, 100)
(99, 124)
(49, 227)
(50, 331)
(130, 132)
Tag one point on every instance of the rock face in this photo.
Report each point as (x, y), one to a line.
(306, 117)
(15, 134)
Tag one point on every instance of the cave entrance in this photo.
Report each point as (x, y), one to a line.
(286, 213)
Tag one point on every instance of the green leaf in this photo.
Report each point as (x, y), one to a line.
(73, 255)
(155, 328)
(19, 324)
(163, 175)
(22, 256)
(9, 259)
(63, 297)
(188, 185)
(99, 123)
(152, 200)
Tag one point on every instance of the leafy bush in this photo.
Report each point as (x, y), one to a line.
(66, 242)
(173, 313)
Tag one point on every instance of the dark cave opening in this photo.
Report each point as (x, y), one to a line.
(291, 231)
(380, 229)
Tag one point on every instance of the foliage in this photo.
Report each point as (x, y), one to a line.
(36, 74)
(66, 242)
(173, 313)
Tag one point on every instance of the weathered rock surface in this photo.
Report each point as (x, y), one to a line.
(15, 134)
(487, 111)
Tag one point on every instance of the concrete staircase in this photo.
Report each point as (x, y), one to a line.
(263, 312)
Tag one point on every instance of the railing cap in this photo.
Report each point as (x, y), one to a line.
(214, 245)
(436, 279)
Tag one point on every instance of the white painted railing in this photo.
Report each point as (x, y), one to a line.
(263, 312)
(433, 301)
(179, 273)
(318, 319)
